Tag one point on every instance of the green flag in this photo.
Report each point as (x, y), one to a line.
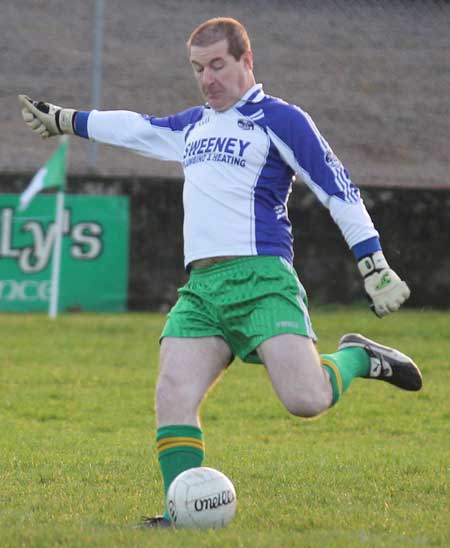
(52, 174)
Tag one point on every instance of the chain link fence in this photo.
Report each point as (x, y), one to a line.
(374, 75)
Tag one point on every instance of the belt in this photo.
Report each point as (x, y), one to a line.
(204, 263)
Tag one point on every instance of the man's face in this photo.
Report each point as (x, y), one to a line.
(221, 79)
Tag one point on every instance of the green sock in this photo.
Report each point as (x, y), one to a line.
(343, 366)
(179, 447)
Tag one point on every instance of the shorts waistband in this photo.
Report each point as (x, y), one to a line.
(227, 263)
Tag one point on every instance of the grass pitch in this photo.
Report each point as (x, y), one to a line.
(77, 459)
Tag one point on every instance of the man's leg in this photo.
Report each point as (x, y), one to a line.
(188, 368)
(295, 370)
(308, 383)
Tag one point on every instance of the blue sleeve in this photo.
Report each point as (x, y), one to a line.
(314, 156)
(367, 247)
(80, 124)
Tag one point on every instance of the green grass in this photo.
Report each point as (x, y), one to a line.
(77, 460)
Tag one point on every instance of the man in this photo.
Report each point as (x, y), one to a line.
(240, 152)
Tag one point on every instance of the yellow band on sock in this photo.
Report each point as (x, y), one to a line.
(169, 443)
(336, 372)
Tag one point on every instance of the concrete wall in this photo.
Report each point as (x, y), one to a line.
(414, 225)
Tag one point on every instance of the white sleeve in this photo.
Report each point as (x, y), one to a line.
(353, 220)
(136, 132)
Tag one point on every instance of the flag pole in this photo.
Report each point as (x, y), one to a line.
(56, 258)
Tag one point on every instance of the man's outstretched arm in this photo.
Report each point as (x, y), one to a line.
(160, 138)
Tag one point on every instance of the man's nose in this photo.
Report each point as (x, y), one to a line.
(208, 76)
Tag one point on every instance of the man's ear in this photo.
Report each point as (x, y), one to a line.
(248, 59)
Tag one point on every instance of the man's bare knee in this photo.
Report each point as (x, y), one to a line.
(293, 365)
(308, 405)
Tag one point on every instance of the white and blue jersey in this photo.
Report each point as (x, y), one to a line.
(239, 166)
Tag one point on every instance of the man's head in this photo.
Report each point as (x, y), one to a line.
(221, 56)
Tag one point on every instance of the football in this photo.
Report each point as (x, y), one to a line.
(201, 498)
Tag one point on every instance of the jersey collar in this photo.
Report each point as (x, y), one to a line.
(254, 95)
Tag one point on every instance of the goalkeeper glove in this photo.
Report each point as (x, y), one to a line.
(385, 290)
(46, 119)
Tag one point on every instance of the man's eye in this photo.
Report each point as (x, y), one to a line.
(217, 67)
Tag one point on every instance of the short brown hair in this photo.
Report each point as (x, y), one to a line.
(222, 28)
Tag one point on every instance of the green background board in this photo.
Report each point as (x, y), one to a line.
(94, 265)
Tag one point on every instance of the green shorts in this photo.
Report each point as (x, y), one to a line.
(245, 301)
